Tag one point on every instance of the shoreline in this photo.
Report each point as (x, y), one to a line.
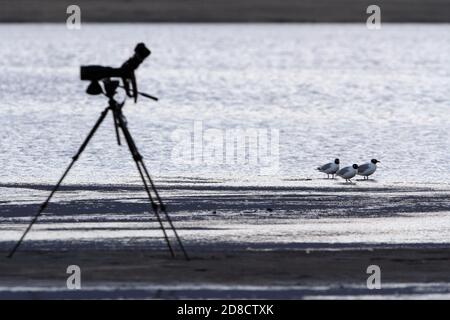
(315, 241)
(234, 214)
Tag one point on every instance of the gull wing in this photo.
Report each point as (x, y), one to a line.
(363, 168)
(325, 166)
(343, 171)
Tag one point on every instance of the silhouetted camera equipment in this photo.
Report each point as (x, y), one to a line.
(126, 73)
(95, 73)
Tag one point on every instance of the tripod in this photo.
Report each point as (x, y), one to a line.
(120, 123)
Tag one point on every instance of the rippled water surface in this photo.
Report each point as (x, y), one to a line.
(331, 91)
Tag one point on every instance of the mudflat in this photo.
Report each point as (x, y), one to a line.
(296, 239)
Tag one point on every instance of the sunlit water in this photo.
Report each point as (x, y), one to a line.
(331, 91)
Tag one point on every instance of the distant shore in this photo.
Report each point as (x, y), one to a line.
(427, 11)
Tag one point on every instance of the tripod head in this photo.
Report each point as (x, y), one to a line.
(95, 73)
(110, 87)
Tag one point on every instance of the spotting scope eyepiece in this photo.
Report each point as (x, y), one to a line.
(140, 54)
(95, 73)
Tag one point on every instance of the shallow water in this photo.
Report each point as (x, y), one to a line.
(331, 91)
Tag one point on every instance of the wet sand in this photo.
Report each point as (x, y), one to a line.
(283, 274)
(294, 239)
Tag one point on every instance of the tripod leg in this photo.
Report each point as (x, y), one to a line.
(116, 128)
(158, 198)
(155, 209)
(163, 208)
(55, 188)
(137, 157)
